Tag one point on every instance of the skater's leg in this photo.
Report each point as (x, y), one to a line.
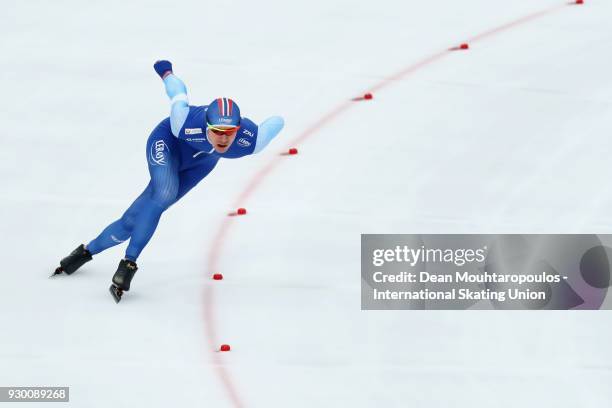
(164, 186)
(188, 179)
(120, 230)
(168, 185)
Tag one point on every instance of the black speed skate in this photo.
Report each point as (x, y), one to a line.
(74, 261)
(122, 278)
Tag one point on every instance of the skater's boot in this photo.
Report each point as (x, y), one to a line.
(122, 278)
(74, 261)
(125, 273)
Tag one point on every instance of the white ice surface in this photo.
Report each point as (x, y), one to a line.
(512, 136)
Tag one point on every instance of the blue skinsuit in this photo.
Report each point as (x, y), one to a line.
(179, 157)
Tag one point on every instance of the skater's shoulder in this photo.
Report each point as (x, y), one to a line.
(246, 136)
(198, 109)
(196, 115)
(247, 127)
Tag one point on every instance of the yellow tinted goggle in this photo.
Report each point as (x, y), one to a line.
(222, 129)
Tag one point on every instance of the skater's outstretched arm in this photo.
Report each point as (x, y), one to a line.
(267, 131)
(177, 92)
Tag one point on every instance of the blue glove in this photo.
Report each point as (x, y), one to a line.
(161, 67)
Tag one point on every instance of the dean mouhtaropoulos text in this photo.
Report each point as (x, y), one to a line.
(465, 277)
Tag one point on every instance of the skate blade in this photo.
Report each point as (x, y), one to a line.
(58, 271)
(116, 293)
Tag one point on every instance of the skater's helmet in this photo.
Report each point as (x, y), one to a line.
(223, 112)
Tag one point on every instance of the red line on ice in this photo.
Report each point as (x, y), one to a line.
(256, 180)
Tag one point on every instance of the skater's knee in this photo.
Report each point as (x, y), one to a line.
(128, 220)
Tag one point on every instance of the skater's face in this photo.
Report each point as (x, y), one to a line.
(221, 137)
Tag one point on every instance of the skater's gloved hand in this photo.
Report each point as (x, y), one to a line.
(163, 68)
